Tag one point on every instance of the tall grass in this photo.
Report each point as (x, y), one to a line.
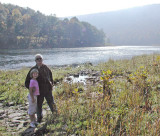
(12, 88)
(125, 102)
(130, 108)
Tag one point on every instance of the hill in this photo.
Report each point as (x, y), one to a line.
(134, 26)
(25, 28)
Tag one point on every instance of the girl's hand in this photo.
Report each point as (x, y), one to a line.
(33, 100)
(34, 89)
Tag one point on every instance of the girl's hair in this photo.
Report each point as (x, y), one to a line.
(33, 71)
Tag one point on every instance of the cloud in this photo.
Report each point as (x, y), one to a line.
(78, 7)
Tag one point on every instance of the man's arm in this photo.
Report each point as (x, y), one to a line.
(50, 74)
(27, 81)
(28, 78)
(50, 78)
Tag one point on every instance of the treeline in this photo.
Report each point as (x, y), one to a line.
(25, 28)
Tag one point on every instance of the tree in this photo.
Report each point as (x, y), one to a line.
(25, 28)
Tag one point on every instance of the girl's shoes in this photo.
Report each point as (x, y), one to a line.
(32, 124)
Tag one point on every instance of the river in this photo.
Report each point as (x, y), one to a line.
(17, 59)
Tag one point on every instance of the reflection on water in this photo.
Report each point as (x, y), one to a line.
(79, 79)
(15, 59)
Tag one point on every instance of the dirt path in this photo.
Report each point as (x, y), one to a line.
(14, 120)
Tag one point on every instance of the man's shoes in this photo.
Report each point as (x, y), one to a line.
(36, 123)
(39, 120)
(32, 125)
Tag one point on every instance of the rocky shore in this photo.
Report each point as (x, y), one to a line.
(15, 119)
(112, 98)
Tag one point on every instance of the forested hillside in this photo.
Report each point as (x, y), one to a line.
(25, 28)
(134, 26)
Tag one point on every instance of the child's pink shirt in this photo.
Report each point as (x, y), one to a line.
(34, 83)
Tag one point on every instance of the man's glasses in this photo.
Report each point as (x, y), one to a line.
(39, 59)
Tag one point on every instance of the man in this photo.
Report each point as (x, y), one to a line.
(45, 82)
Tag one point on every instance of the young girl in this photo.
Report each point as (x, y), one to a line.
(32, 96)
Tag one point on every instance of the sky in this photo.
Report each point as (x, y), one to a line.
(65, 8)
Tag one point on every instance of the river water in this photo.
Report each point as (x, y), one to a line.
(16, 59)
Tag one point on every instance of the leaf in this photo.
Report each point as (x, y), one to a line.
(141, 67)
(158, 58)
(109, 72)
(85, 123)
(76, 90)
(101, 78)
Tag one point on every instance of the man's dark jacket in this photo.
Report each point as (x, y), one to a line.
(44, 79)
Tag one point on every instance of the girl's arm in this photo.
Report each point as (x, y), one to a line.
(31, 89)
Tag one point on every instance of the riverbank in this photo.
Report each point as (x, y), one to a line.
(116, 98)
(18, 59)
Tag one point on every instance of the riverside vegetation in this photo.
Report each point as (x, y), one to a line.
(124, 100)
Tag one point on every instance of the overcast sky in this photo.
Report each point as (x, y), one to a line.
(64, 8)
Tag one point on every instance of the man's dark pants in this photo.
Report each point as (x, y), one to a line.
(46, 93)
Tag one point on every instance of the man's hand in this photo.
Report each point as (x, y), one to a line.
(51, 84)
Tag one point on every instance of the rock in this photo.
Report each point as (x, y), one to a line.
(2, 112)
(25, 123)
(158, 87)
(80, 90)
(68, 78)
(12, 125)
(83, 73)
(11, 104)
(26, 104)
(76, 75)
(3, 116)
(28, 132)
(96, 95)
(20, 126)
(10, 111)
(74, 65)
(14, 115)
(88, 63)
(16, 121)
(129, 72)
(16, 108)
(96, 74)
(14, 133)
(17, 118)
(6, 119)
(23, 108)
(91, 80)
